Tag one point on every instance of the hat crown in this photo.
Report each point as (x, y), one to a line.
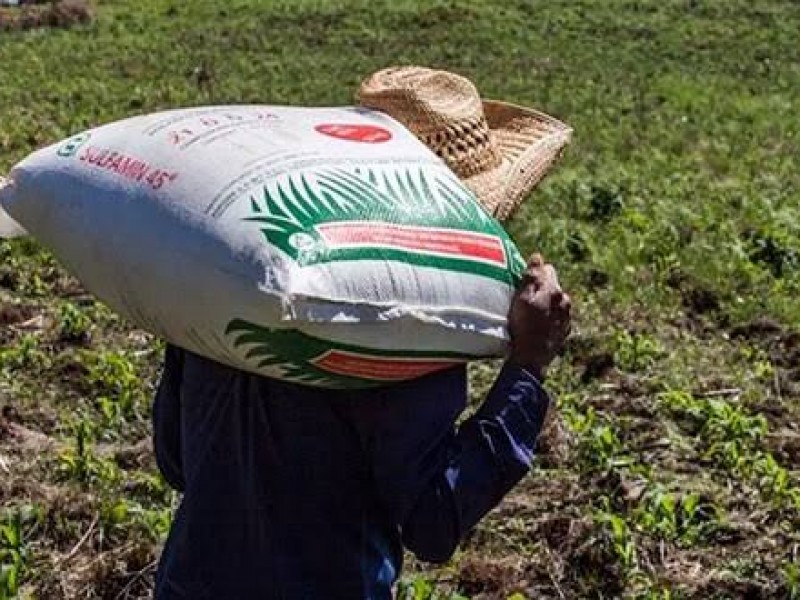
(442, 109)
(498, 150)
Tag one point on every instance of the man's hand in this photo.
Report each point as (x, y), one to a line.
(539, 319)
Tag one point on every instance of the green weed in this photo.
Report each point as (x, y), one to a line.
(658, 592)
(791, 574)
(16, 527)
(80, 463)
(74, 323)
(759, 363)
(599, 445)
(618, 535)
(24, 354)
(731, 438)
(728, 432)
(121, 397)
(774, 481)
(673, 517)
(113, 373)
(636, 351)
(118, 516)
(422, 588)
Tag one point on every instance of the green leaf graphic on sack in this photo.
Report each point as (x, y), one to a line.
(307, 359)
(407, 215)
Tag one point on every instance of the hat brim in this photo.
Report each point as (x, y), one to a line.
(529, 142)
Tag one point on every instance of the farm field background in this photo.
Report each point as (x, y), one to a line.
(672, 466)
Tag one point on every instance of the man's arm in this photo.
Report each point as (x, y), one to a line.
(167, 419)
(438, 483)
(487, 457)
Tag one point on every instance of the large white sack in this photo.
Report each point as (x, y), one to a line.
(9, 228)
(324, 246)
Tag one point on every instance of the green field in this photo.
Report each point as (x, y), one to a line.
(672, 468)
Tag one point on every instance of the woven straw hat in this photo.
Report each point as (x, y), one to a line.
(499, 150)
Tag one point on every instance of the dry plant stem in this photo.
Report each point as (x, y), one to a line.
(123, 594)
(717, 393)
(81, 541)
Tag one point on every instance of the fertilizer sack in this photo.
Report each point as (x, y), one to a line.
(328, 247)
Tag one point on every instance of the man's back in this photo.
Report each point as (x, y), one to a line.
(295, 492)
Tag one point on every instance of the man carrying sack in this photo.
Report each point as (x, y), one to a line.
(297, 492)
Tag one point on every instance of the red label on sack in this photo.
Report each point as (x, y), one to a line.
(374, 367)
(429, 240)
(369, 134)
(126, 166)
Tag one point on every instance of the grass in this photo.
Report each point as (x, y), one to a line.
(671, 470)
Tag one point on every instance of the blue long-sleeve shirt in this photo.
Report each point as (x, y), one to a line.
(292, 492)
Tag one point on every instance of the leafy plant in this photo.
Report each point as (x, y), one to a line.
(599, 444)
(774, 480)
(74, 324)
(657, 592)
(731, 438)
(732, 433)
(120, 391)
(791, 574)
(618, 535)
(15, 553)
(728, 431)
(79, 463)
(150, 487)
(119, 515)
(25, 354)
(682, 518)
(422, 588)
(636, 351)
(113, 373)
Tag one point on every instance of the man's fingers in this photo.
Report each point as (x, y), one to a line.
(561, 301)
(531, 278)
(560, 308)
(559, 304)
(552, 276)
(536, 260)
(538, 273)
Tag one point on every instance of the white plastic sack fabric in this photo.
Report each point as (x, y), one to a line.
(9, 228)
(324, 246)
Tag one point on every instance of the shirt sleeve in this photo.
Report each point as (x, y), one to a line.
(438, 490)
(167, 419)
